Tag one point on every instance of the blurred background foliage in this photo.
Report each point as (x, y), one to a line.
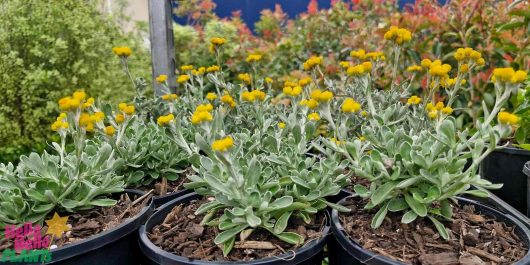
(48, 49)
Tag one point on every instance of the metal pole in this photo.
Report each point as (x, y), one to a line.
(162, 45)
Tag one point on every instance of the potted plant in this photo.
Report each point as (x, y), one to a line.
(79, 182)
(504, 163)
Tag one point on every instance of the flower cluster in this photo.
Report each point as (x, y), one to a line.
(217, 41)
(211, 96)
(321, 96)
(436, 68)
(77, 100)
(509, 75)
(165, 120)
(60, 123)
(228, 100)
(161, 78)
(414, 68)
(359, 69)
(310, 103)
(199, 71)
(467, 55)
(292, 91)
(350, 106)
(414, 100)
(123, 51)
(169, 97)
(213, 68)
(245, 77)
(507, 118)
(398, 35)
(183, 79)
(313, 116)
(439, 107)
(222, 145)
(253, 58)
(188, 67)
(312, 62)
(253, 95)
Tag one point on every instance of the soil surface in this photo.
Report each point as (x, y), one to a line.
(182, 234)
(475, 239)
(85, 224)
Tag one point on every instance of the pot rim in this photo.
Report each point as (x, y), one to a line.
(513, 150)
(526, 169)
(107, 237)
(347, 243)
(151, 251)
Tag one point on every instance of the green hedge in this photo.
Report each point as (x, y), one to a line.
(49, 49)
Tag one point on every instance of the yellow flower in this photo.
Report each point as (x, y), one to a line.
(120, 118)
(289, 83)
(292, 91)
(123, 51)
(430, 107)
(350, 105)
(426, 63)
(245, 77)
(84, 119)
(311, 103)
(414, 100)
(122, 106)
(89, 102)
(398, 35)
(79, 95)
(90, 127)
(468, 55)
(519, 77)
(247, 96)
(227, 99)
(464, 68)
(362, 138)
(169, 97)
(439, 106)
(218, 41)
(253, 58)
(355, 70)
(223, 145)
(161, 78)
(364, 113)
(305, 81)
(320, 96)
(183, 78)
(186, 67)
(376, 56)
(281, 125)
(268, 80)
(97, 117)
(414, 68)
(433, 114)
(213, 68)
(312, 62)
(60, 123)
(367, 66)
(110, 130)
(201, 116)
(165, 120)
(199, 71)
(481, 62)
(211, 96)
(258, 94)
(447, 110)
(344, 64)
(508, 118)
(129, 110)
(204, 107)
(437, 69)
(361, 54)
(313, 116)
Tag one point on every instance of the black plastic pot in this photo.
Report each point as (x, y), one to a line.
(117, 246)
(311, 254)
(163, 199)
(347, 252)
(504, 166)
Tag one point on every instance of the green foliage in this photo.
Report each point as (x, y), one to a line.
(48, 49)
(41, 184)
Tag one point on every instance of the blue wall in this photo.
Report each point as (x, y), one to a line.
(251, 8)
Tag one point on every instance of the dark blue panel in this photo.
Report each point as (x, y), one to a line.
(251, 8)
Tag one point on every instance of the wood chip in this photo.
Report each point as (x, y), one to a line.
(446, 258)
(484, 254)
(255, 245)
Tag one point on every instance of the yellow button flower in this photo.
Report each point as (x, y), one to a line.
(433, 114)
(350, 105)
(223, 145)
(110, 130)
(161, 78)
(364, 113)
(211, 96)
(200, 117)
(169, 97)
(123, 51)
(245, 77)
(361, 54)
(447, 110)
(183, 79)
(312, 62)
(321, 96)
(292, 91)
(217, 41)
(313, 116)
(311, 103)
(355, 70)
(186, 67)
(281, 125)
(426, 63)
(253, 58)
(97, 116)
(305, 81)
(120, 118)
(508, 118)
(165, 120)
(213, 68)
(414, 68)
(268, 80)
(414, 100)
(398, 35)
(228, 100)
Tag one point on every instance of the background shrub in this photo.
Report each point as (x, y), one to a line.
(49, 49)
